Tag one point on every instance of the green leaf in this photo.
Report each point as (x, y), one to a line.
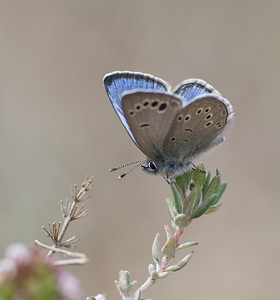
(124, 285)
(204, 206)
(186, 245)
(168, 232)
(184, 180)
(206, 183)
(152, 271)
(169, 248)
(220, 192)
(162, 275)
(156, 248)
(192, 201)
(213, 208)
(171, 208)
(177, 196)
(181, 263)
(199, 175)
(181, 221)
(213, 187)
(218, 172)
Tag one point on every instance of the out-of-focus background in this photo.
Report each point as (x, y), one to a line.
(57, 126)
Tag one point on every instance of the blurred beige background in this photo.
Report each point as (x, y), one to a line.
(57, 126)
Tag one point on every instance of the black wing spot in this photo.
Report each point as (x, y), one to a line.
(209, 116)
(219, 124)
(199, 111)
(162, 107)
(154, 103)
(207, 109)
(187, 118)
(145, 125)
(188, 129)
(180, 118)
(208, 124)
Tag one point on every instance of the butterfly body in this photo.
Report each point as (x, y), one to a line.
(169, 127)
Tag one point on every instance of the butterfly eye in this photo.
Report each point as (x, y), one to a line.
(152, 166)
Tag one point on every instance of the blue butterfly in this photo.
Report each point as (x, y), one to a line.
(170, 127)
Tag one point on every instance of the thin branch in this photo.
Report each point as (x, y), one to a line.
(76, 257)
(70, 212)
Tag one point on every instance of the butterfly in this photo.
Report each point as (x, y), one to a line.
(171, 127)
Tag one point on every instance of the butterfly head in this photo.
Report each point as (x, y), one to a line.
(147, 165)
(168, 171)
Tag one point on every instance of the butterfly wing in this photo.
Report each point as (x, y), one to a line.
(117, 83)
(192, 88)
(197, 127)
(150, 116)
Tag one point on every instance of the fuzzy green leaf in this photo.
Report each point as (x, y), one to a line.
(192, 201)
(218, 172)
(168, 232)
(184, 180)
(162, 275)
(213, 187)
(199, 175)
(169, 248)
(124, 285)
(177, 196)
(186, 245)
(156, 248)
(181, 263)
(152, 271)
(206, 183)
(213, 208)
(220, 192)
(181, 221)
(171, 208)
(204, 206)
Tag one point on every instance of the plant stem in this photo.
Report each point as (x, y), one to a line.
(163, 264)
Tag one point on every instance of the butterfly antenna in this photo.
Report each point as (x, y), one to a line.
(194, 167)
(128, 164)
(139, 164)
